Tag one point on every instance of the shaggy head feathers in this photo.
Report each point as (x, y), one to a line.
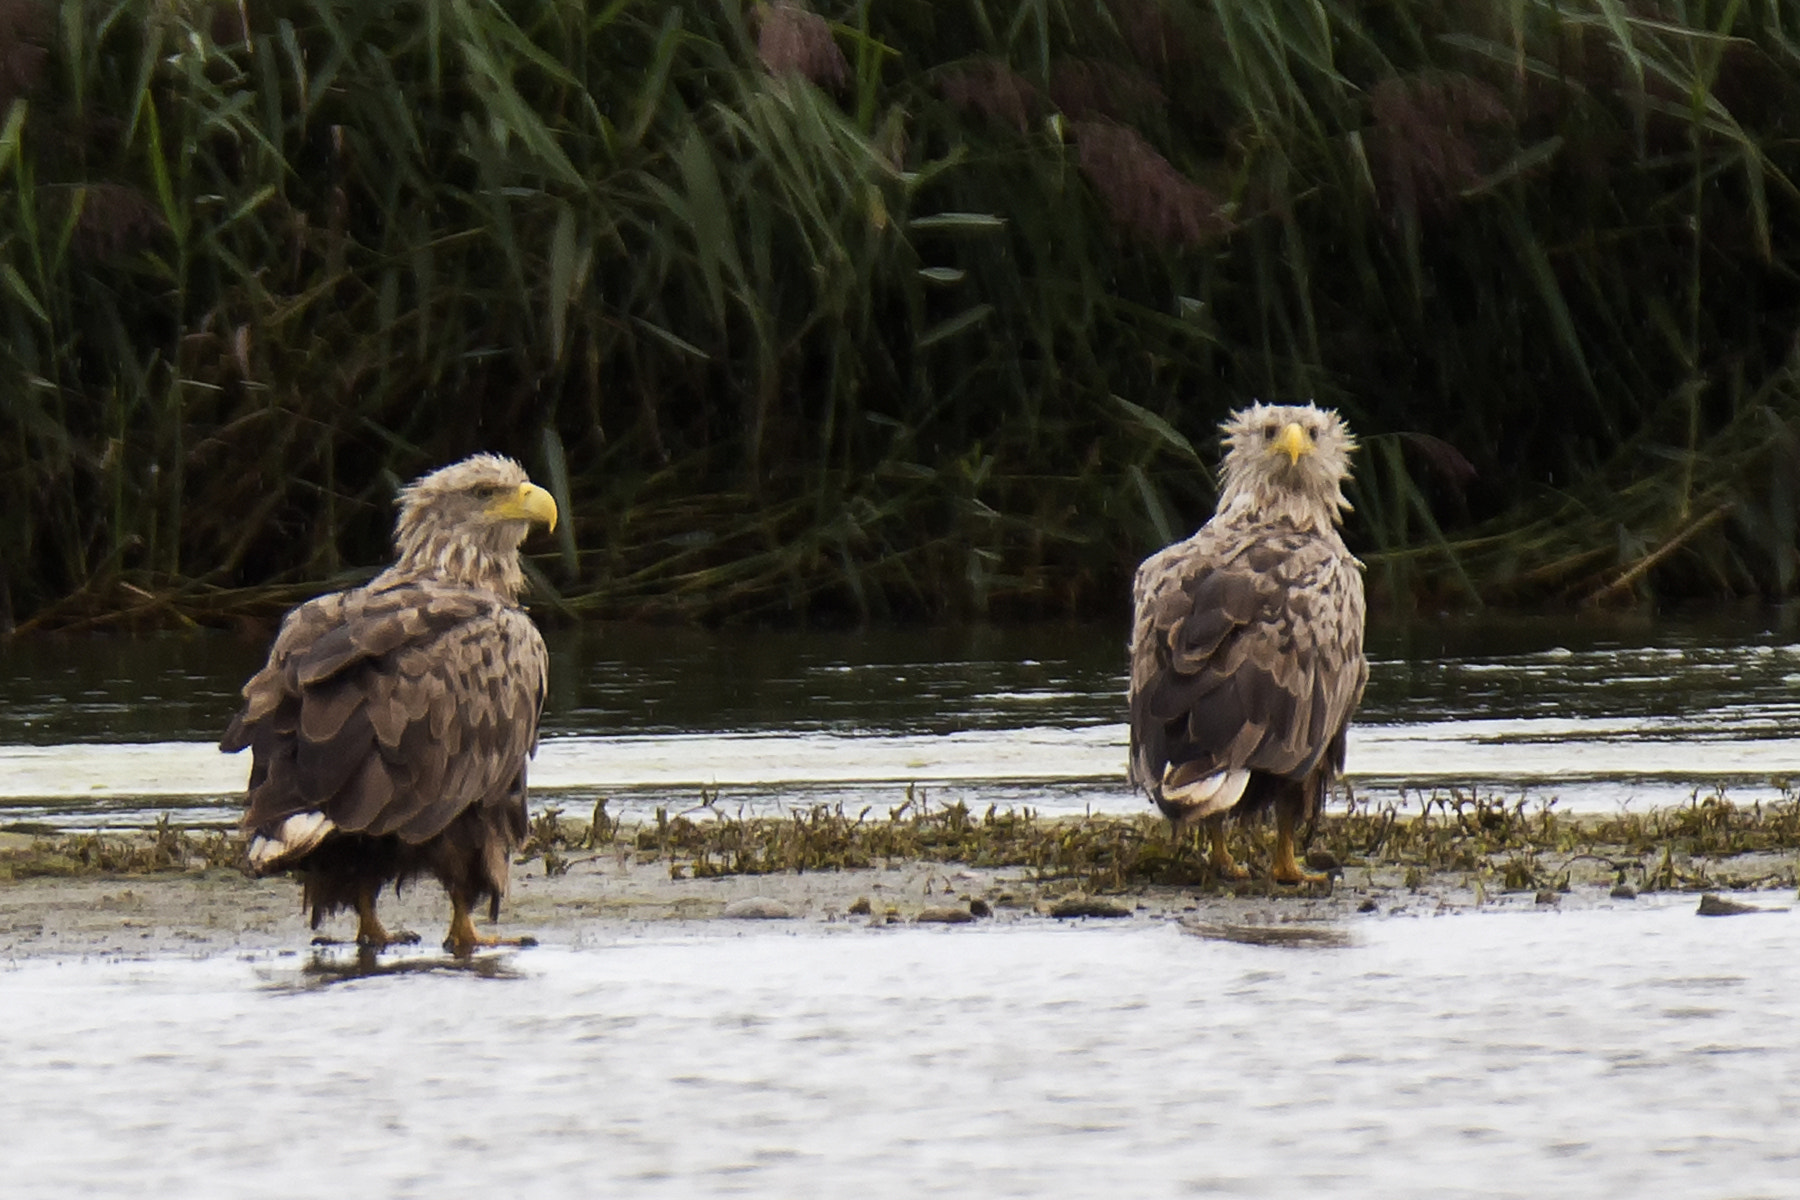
(1270, 472)
(448, 527)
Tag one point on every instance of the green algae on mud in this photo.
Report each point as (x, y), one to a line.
(1485, 844)
(29, 852)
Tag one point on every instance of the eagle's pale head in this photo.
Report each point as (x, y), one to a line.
(465, 522)
(1287, 460)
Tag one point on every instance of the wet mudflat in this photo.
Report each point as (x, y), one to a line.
(1603, 1049)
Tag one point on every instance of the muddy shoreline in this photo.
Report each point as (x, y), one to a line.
(171, 890)
(205, 911)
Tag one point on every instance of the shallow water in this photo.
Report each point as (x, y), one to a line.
(1597, 715)
(611, 680)
(1633, 1051)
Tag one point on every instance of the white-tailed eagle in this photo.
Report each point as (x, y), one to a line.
(390, 730)
(1246, 642)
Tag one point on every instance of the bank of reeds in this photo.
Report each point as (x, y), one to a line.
(868, 310)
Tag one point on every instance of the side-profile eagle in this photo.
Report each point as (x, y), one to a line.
(1246, 639)
(390, 730)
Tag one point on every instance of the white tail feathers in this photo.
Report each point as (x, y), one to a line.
(296, 835)
(1205, 796)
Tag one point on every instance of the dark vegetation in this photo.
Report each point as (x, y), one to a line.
(905, 309)
(1457, 839)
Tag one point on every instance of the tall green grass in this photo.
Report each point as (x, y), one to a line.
(891, 309)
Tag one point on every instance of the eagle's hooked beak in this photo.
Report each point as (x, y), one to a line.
(529, 503)
(1294, 442)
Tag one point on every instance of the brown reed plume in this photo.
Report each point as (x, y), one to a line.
(1143, 190)
(25, 33)
(1152, 33)
(1428, 137)
(791, 40)
(114, 218)
(991, 88)
(1085, 89)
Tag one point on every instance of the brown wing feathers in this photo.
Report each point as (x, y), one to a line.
(1240, 679)
(392, 713)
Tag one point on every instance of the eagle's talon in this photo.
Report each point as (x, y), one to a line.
(1219, 857)
(466, 949)
(382, 940)
(462, 940)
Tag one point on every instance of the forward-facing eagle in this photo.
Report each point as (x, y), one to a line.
(391, 727)
(1246, 641)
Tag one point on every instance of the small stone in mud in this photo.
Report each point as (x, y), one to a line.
(1324, 860)
(757, 908)
(861, 908)
(1368, 905)
(1548, 896)
(1623, 891)
(944, 914)
(1714, 905)
(1087, 906)
(980, 908)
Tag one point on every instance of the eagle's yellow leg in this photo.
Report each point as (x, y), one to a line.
(1222, 863)
(1286, 870)
(370, 933)
(462, 938)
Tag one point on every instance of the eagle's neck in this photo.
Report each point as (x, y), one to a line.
(1248, 505)
(485, 557)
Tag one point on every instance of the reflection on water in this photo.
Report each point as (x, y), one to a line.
(609, 680)
(356, 964)
(121, 689)
(1635, 1051)
(1294, 935)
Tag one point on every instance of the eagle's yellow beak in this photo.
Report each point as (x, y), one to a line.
(1294, 442)
(529, 503)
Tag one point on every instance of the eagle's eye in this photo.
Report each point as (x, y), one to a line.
(1270, 430)
(487, 491)
(1312, 430)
